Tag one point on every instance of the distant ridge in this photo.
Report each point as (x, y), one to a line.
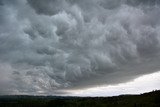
(150, 99)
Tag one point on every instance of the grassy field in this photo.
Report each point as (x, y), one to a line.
(151, 99)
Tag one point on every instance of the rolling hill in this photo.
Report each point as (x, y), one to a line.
(151, 99)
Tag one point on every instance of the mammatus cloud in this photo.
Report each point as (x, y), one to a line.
(47, 46)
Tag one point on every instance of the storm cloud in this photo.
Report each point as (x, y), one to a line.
(49, 46)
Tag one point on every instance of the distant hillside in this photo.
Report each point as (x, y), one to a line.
(151, 99)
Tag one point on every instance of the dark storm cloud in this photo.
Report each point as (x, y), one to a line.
(47, 46)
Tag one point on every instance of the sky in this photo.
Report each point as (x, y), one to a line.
(79, 47)
(142, 84)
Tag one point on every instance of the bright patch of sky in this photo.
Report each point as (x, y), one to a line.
(139, 85)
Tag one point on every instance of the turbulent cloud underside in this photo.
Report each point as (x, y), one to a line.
(48, 46)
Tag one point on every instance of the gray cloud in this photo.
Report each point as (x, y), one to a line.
(48, 46)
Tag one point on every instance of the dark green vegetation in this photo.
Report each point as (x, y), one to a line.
(151, 99)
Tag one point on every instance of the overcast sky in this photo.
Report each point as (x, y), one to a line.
(57, 47)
